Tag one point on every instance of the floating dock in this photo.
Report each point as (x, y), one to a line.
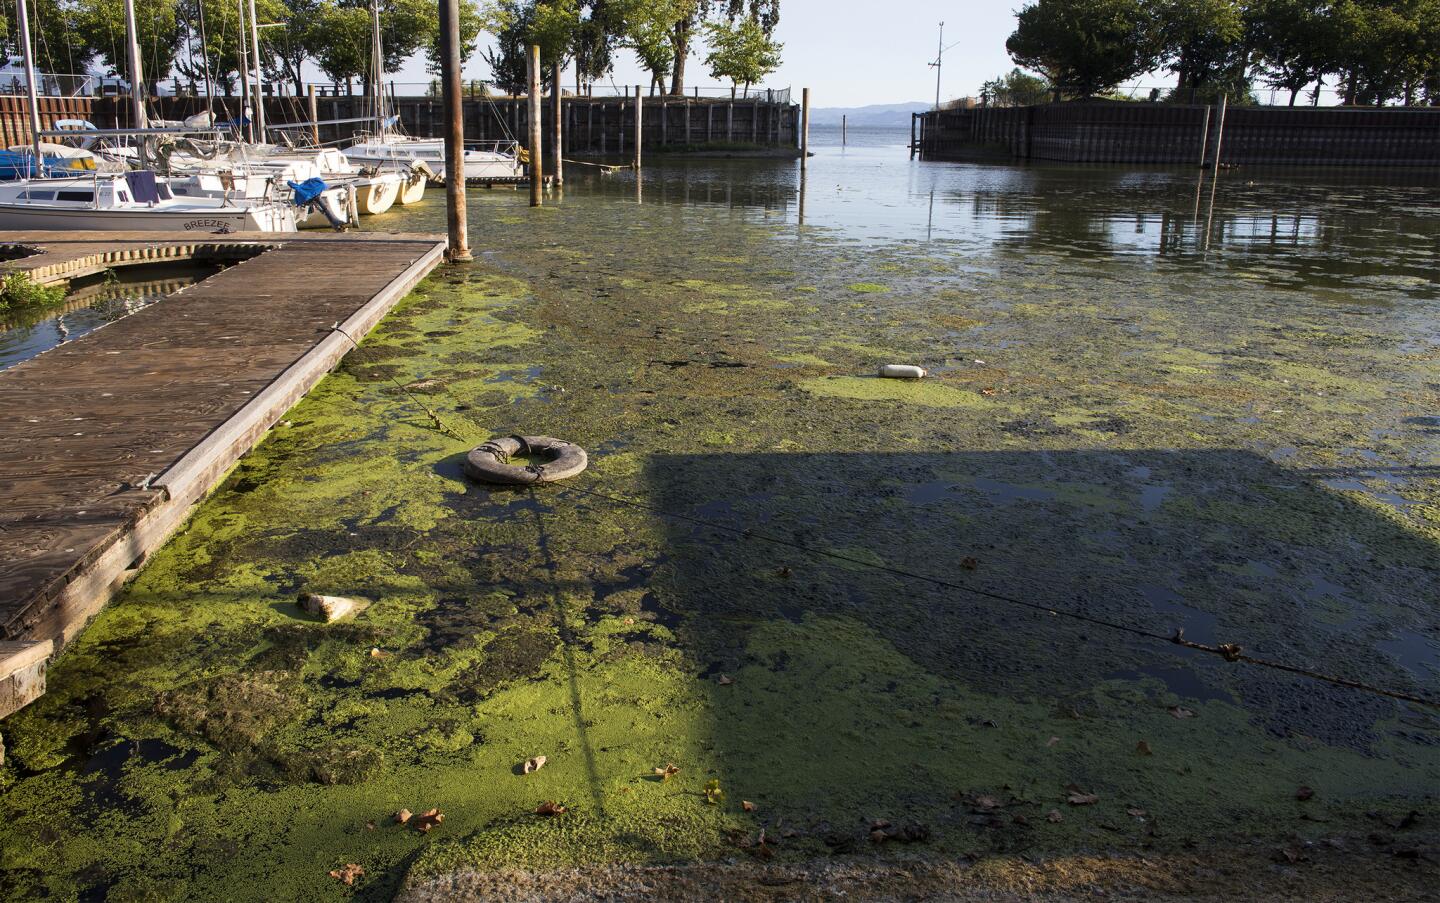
(109, 441)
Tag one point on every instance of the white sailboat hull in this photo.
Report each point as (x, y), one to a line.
(220, 219)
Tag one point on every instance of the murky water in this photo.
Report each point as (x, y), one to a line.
(90, 305)
(842, 598)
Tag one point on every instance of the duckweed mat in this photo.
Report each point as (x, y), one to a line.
(1240, 443)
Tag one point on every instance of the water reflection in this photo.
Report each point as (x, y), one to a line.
(1286, 227)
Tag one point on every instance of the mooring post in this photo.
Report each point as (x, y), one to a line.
(557, 146)
(639, 132)
(844, 128)
(1204, 136)
(804, 128)
(537, 167)
(459, 250)
(1220, 130)
(314, 113)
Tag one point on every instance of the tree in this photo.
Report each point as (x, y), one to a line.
(472, 22)
(741, 51)
(1085, 47)
(101, 24)
(56, 38)
(1204, 43)
(645, 27)
(1292, 40)
(692, 13)
(1018, 89)
(340, 42)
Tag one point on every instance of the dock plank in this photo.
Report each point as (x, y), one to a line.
(167, 396)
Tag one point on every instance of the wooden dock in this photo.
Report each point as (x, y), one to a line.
(110, 440)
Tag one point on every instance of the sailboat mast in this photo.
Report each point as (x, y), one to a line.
(247, 111)
(137, 81)
(377, 65)
(24, 17)
(259, 83)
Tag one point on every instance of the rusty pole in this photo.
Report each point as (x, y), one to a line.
(459, 249)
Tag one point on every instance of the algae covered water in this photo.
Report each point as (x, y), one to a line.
(1149, 408)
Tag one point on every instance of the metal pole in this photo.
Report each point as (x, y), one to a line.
(454, 130)
(939, 58)
(377, 66)
(804, 129)
(844, 130)
(24, 22)
(1205, 136)
(537, 168)
(259, 77)
(639, 131)
(557, 145)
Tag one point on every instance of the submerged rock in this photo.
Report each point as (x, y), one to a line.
(329, 608)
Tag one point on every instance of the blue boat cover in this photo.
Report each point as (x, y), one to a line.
(307, 191)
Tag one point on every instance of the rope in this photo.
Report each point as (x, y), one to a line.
(609, 168)
(434, 418)
(1230, 652)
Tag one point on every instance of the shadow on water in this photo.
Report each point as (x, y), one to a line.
(1229, 556)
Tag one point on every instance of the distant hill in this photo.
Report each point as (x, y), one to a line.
(881, 114)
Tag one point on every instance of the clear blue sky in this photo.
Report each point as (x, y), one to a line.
(853, 53)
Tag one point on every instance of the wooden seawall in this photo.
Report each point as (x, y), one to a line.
(1163, 133)
(109, 441)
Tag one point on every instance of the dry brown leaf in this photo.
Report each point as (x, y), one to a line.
(1019, 819)
(1136, 812)
(533, 764)
(985, 803)
(1179, 711)
(629, 620)
(1304, 793)
(969, 564)
(747, 805)
(1052, 741)
(725, 680)
(1082, 799)
(369, 826)
(430, 819)
(1054, 817)
(402, 816)
(667, 772)
(987, 391)
(1143, 748)
(550, 807)
(377, 652)
(347, 873)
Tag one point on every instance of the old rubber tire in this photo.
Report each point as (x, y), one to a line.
(490, 463)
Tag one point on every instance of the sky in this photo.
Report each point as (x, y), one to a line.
(850, 54)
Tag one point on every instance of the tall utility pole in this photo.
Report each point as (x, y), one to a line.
(939, 58)
(454, 131)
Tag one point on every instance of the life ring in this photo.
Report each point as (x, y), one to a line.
(490, 463)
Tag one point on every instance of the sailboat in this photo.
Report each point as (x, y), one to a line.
(388, 147)
(122, 201)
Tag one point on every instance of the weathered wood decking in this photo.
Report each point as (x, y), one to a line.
(108, 441)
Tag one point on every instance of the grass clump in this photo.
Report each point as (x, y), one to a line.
(18, 291)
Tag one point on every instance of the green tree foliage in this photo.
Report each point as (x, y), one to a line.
(690, 20)
(1085, 47)
(741, 51)
(1018, 89)
(645, 27)
(101, 24)
(1204, 43)
(1291, 40)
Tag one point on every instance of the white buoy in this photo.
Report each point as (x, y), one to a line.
(903, 371)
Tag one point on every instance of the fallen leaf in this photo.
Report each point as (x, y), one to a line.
(1304, 793)
(1288, 855)
(1082, 799)
(725, 680)
(347, 873)
(629, 620)
(713, 793)
(667, 772)
(1019, 819)
(402, 816)
(1136, 812)
(1143, 748)
(747, 805)
(1052, 741)
(533, 764)
(377, 652)
(969, 564)
(987, 391)
(878, 836)
(549, 807)
(369, 826)
(1181, 712)
(985, 803)
(1054, 816)
(430, 819)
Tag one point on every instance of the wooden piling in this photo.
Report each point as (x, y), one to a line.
(844, 125)
(537, 167)
(557, 144)
(804, 128)
(639, 127)
(1204, 136)
(458, 247)
(314, 113)
(1220, 130)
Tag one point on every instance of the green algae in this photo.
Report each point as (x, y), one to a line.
(202, 740)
